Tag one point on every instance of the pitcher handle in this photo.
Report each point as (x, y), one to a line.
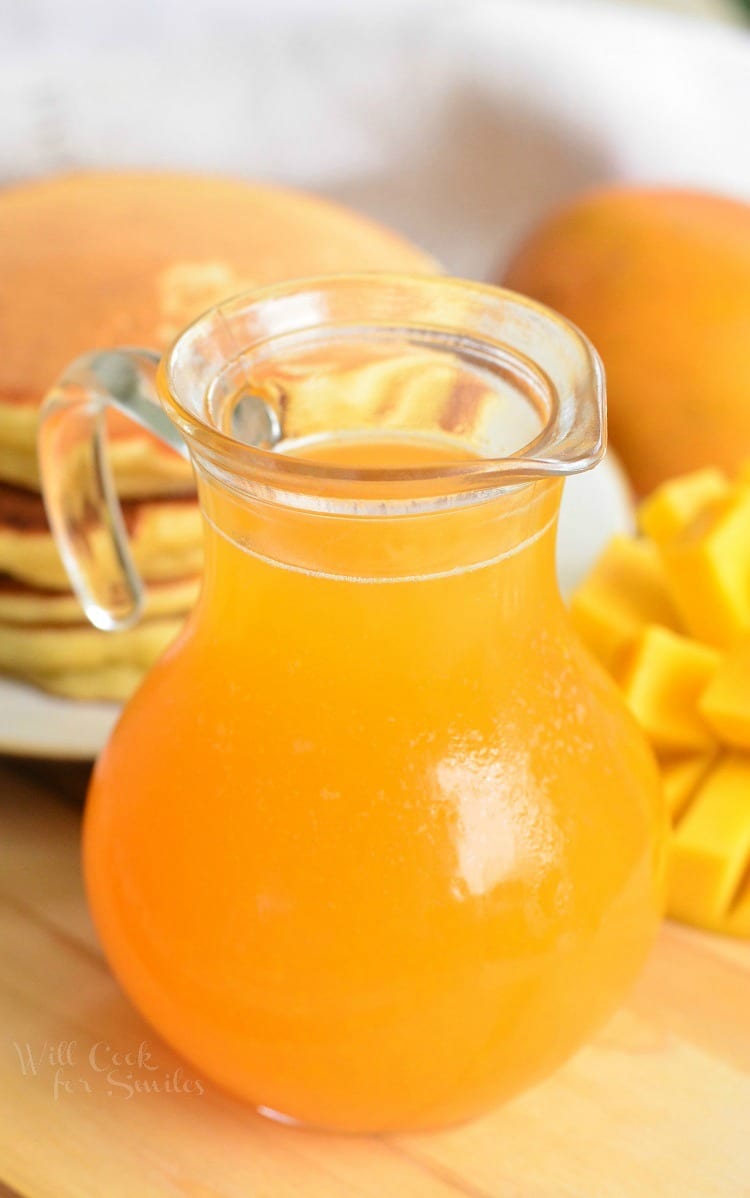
(78, 488)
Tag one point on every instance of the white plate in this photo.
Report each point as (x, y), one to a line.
(33, 724)
(458, 121)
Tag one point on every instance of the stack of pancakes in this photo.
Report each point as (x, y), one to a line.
(95, 260)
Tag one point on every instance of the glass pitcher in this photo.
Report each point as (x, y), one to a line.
(376, 844)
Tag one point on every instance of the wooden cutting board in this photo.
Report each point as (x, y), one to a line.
(92, 1105)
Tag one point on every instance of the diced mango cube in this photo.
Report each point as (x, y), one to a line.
(626, 590)
(711, 846)
(606, 628)
(725, 703)
(662, 681)
(669, 615)
(681, 777)
(675, 504)
(708, 567)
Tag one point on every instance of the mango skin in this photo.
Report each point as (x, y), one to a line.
(659, 280)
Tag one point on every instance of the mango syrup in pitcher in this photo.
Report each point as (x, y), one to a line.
(376, 844)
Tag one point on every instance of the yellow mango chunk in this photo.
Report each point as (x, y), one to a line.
(669, 615)
(708, 568)
(626, 590)
(681, 777)
(711, 846)
(676, 504)
(662, 682)
(605, 627)
(725, 703)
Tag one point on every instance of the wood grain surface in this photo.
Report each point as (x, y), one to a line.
(93, 1105)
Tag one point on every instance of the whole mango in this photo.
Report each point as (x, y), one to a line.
(659, 280)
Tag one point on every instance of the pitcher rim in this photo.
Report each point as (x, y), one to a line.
(549, 454)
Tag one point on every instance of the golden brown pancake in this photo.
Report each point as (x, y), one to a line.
(140, 465)
(82, 662)
(165, 537)
(112, 683)
(392, 387)
(105, 259)
(93, 260)
(32, 606)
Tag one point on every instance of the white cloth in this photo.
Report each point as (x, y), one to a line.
(459, 122)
